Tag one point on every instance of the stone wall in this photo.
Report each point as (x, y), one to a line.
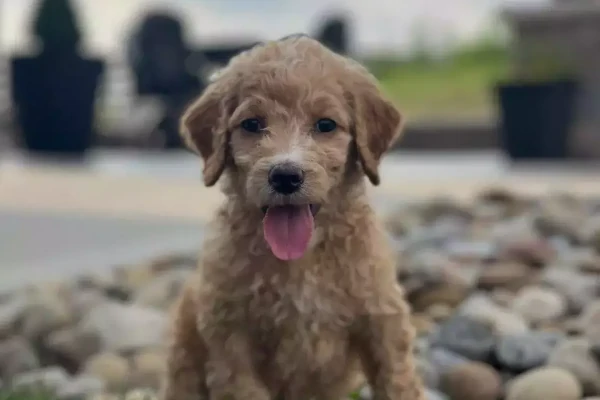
(570, 31)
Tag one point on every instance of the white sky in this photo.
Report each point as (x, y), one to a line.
(379, 24)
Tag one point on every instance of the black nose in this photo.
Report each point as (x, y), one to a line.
(286, 178)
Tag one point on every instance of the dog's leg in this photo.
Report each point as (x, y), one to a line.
(185, 377)
(229, 371)
(386, 348)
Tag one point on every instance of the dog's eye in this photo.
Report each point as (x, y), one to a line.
(253, 125)
(325, 125)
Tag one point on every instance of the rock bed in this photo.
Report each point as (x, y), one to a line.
(504, 290)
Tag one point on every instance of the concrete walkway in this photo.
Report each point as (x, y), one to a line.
(133, 185)
(40, 246)
(58, 220)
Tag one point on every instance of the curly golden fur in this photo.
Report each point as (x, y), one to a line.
(252, 326)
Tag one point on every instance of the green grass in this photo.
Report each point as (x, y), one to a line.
(26, 395)
(458, 87)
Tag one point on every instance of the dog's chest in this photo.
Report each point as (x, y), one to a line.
(273, 308)
(300, 331)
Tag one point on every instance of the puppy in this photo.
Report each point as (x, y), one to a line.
(296, 295)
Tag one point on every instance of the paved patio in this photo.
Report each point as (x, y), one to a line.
(122, 207)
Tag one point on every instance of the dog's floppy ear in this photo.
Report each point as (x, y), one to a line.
(204, 130)
(377, 125)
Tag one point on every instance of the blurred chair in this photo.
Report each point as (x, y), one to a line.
(334, 34)
(165, 66)
(161, 62)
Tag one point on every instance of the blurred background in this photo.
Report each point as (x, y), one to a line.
(458, 71)
(491, 196)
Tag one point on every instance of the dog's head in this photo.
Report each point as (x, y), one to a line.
(292, 124)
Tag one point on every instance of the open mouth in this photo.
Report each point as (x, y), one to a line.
(314, 208)
(288, 229)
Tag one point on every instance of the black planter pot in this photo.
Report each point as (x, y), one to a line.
(54, 102)
(535, 118)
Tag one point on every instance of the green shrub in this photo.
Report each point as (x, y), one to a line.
(55, 25)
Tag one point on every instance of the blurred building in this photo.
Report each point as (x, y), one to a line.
(567, 32)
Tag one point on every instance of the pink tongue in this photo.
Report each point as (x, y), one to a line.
(287, 230)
